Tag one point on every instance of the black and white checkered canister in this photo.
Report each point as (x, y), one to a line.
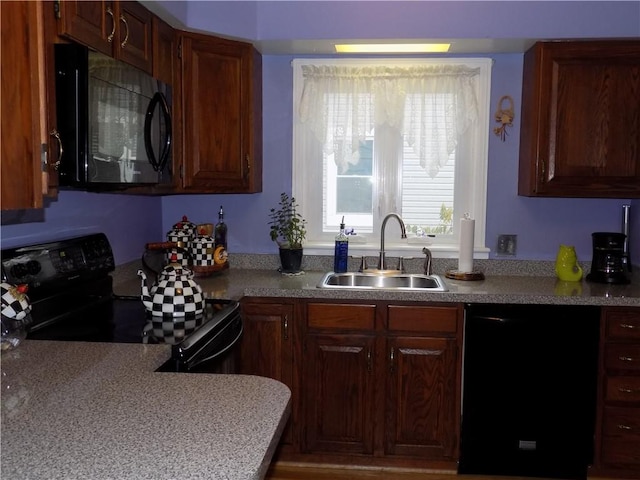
(202, 249)
(183, 234)
(182, 255)
(15, 303)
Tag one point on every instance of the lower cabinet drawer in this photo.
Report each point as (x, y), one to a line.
(341, 316)
(622, 357)
(420, 319)
(623, 323)
(623, 389)
(621, 436)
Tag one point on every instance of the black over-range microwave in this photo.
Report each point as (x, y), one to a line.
(113, 120)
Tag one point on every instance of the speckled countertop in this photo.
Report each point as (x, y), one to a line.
(505, 282)
(75, 410)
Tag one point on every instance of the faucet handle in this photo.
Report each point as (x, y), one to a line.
(427, 261)
(401, 260)
(363, 264)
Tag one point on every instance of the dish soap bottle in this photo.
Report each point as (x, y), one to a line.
(341, 254)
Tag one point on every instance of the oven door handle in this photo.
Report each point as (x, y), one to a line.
(219, 352)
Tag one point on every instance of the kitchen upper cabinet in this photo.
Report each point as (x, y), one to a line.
(164, 51)
(580, 132)
(221, 112)
(618, 425)
(122, 30)
(23, 96)
(422, 388)
(267, 346)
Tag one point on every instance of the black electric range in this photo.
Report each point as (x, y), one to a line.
(71, 293)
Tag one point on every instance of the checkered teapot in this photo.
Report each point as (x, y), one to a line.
(175, 293)
(14, 318)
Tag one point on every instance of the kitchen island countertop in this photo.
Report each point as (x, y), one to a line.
(97, 410)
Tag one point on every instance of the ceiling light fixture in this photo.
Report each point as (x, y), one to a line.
(392, 47)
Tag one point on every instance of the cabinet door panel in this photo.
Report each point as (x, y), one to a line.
(339, 371)
(222, 115)
(267, 332)
(266, 348)
(22, 94)
(421, 389)
(580, 134)
(135, 35)
(89, 23)
(164, 52)
(604, 91)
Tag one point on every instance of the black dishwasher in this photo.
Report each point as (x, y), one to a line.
(529, 390)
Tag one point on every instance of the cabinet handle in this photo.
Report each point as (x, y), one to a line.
(369, 366)
(624, 427)
(626, 325)
(622, 358)
(247, 172)
(628, 390)
(56, 134)
(126, 31)
(113, 25)
(392, 354)
(285, 325)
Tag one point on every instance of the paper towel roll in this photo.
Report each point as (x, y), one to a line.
(467, 229)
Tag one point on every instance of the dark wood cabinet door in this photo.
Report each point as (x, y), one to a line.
(222, 115)
(339, 395)
(91, 23)
(580, 134)
(22, 91)
(165, 52)
(134, 35)
(421, 397)
(118, 29)
(266, 346)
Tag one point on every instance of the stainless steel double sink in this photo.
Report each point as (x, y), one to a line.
(383, 280)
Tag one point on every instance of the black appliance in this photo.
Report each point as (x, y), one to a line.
(608, 264)
(71, 294)
(529, 390)
(113, 122)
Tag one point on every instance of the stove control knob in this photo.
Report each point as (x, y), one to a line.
(19, 270)
(33, 267)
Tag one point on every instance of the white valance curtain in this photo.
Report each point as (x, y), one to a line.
(431, 106)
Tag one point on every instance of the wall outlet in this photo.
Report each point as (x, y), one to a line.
(507, 244)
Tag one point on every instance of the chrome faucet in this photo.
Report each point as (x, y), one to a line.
(381, 260)
(427, 261)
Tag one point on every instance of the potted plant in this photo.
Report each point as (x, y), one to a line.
(287, 229)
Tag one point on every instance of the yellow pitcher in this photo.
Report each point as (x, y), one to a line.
(567, 268)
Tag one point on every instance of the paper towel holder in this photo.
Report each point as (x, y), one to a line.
(466, 276)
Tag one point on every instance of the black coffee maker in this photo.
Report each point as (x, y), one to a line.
(607, 265)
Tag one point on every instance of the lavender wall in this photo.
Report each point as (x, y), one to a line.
(128, 221)
(541, 224)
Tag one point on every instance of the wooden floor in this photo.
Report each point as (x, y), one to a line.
(295, 472)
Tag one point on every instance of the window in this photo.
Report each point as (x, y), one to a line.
(379, 136)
